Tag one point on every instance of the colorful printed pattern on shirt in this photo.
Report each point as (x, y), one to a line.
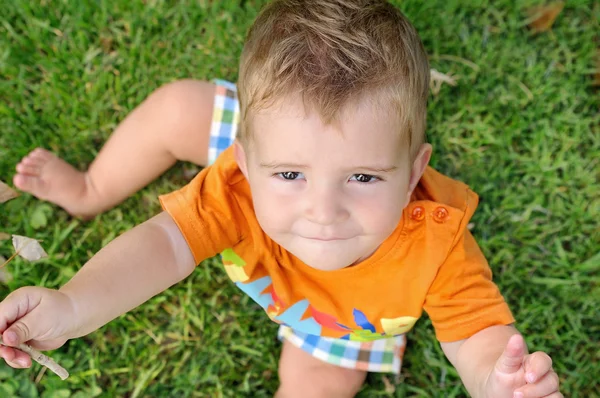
(225, 120)
(304, 317)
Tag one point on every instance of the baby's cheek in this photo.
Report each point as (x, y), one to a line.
(273, 214)
(382, 218)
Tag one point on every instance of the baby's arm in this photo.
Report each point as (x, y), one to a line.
(127, 272)
(493, 363)
(131, 269)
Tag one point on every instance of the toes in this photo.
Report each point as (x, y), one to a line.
(38, 156)
(28, 168)
(41, 153)
(28, 183)
(33, 163)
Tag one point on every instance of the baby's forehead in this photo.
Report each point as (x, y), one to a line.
(359, 132)
(299, 107)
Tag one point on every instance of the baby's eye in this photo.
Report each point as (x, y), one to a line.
(364, 178)
(290, 175)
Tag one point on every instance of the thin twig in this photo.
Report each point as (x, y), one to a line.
(42, 359)
(10, 259)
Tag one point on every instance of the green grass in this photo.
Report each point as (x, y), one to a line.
(521, 129)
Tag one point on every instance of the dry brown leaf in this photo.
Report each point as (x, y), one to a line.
(29, 249)
(107, 43)
(5, 276)
(389, 387)
(189, 172)
(4, 236)
(439, 78)
(541, 18)
(6, 193)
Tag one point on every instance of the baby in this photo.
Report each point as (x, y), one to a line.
(318, 198)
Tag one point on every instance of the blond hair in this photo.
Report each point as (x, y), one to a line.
(334, 52)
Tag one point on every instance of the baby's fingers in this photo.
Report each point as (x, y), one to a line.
(15, 358)
(546, 386)
(536, 366)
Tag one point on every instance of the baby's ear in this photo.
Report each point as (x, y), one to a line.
(419, 166)
(240, 157)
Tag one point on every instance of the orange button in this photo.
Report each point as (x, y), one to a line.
(418, 213)
(440, 214)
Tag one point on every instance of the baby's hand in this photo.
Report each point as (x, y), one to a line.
(517, 375)
(40, 317)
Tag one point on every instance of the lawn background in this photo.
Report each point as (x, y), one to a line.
(521, 128)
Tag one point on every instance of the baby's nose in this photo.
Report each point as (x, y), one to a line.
(326, 208)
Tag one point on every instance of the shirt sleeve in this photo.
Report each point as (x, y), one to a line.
(206, 212)
(462, 299)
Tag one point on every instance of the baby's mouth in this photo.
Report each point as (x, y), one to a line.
(324, 239)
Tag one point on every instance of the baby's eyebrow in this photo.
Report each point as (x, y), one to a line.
(375, 169)
(276, 165)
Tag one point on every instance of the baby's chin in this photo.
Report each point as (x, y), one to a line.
(326, 255)
(330, 261)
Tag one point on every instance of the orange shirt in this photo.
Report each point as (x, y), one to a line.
(430, 262)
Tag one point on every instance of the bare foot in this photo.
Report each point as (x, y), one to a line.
(47, 177)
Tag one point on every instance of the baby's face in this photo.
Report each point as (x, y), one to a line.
(328, 194)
